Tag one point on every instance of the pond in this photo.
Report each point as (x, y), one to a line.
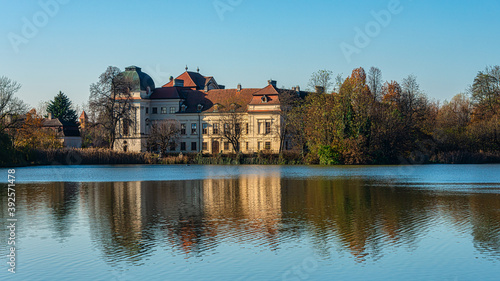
(435, 222)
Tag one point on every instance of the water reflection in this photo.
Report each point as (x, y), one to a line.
(364, 218)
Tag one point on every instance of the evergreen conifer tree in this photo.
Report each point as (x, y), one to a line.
(62, 108)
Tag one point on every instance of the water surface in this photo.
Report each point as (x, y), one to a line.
(439, 222)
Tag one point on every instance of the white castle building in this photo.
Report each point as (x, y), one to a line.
(198, 103)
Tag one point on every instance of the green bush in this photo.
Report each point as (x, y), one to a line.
(329, 155)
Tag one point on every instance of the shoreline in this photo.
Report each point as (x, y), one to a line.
(85, 157)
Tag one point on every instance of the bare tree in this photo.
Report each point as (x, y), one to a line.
(321, 78)
(9, 104)
(163, 133)
(232, 125)
(111, 98)
(339, 80)
(41, 108)
(375, 82)
(413, 102)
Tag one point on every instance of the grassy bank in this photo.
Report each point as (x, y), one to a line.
(93, 156)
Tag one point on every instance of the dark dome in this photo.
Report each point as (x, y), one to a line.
(140, 79)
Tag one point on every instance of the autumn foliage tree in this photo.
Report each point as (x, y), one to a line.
(319, 121)
(485, 123)
(291, 127)
(32, 135)
(368, 121)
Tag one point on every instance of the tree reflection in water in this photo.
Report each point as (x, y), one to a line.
(362, 217)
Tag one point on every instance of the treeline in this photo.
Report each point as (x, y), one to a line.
(357, 120)
(22, 131)
(365, 121)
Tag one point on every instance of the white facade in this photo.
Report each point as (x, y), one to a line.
(196, 102)
(201, 132)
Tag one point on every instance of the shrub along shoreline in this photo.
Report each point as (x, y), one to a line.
(91, 156)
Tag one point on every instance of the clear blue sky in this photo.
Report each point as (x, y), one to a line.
(444, 43)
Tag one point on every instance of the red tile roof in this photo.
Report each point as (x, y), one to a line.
(271, 95)
(193, 95)
(192, 80)
(269, 90)
(224, 97)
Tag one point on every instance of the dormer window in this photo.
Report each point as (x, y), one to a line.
(264, 99)
(234, 106)
(217, 107)
(199, 107)
(183, 108)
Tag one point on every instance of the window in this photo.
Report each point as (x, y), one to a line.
(204, 129)
(246, 125)
(226, 145)
(172, 110)
(172, 146)
(216, 129)
(155, 110)
(226, 129)
(204, 146)
(259, 145)
(183, 146)
(163, 110)
(126, 127)
(267, 145)
(237, 129)
(183, 129)
(247, 146)
(268, 128)
(193, 146)
(194, 129)
(147, 110)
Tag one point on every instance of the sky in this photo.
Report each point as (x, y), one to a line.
(64, 45)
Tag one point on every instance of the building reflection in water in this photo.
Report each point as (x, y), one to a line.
(129, 221)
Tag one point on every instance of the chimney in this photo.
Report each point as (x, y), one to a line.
(272, 82)
(297, 89)
(178, 83)
(320, 89)
(239, 87)
(49, 116)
